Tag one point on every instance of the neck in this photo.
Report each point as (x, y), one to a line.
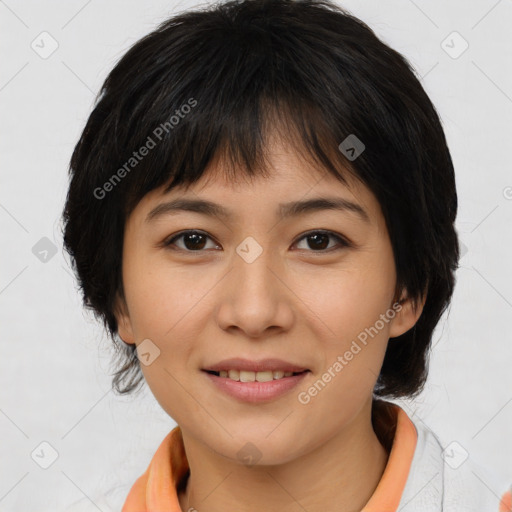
(345, 470)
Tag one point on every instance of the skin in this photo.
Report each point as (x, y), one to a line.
(293, 302)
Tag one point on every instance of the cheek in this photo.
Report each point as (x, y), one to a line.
(353, 348)
(162, 299)
(344, 302)
(349, 305)
(169, 306)
(165, 307)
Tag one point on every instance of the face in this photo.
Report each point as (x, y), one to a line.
(312, 287)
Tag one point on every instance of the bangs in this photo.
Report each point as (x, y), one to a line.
(243, 100)
(241, 139)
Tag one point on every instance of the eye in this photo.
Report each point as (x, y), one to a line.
(196, 241)
(318, 241)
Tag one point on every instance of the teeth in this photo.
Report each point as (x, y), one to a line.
(264, 376)
(234, 374)
(246, 376)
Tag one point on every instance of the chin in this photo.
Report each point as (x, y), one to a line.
(258, 448)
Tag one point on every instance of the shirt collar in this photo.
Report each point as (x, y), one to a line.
(157, 489)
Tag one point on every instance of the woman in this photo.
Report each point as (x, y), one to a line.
(262, 209)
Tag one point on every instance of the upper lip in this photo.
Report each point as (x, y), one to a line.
(262, 365)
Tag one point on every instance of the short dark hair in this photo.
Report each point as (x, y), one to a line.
(213, 82)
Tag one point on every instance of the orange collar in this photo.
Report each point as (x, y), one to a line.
(157, 488)
(388, 493)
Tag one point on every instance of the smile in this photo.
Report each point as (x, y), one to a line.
(248, 376)
(255, 387)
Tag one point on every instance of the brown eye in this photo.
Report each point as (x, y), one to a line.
(197, 241)
(318, 241)
(193, 241)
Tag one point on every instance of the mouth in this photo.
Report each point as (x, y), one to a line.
(251, 376)
(255, 387)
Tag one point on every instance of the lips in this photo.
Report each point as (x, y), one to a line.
(255, 391)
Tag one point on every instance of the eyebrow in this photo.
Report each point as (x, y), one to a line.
(285, 210)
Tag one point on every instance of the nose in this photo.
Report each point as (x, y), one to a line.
(255, 298)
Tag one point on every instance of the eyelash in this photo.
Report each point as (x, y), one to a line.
(342, 241)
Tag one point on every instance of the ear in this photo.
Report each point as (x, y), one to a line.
(407, 315)
(124, 324)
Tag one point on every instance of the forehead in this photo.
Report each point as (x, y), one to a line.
(292, 184)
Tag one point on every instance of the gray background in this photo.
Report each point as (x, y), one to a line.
(55, 358)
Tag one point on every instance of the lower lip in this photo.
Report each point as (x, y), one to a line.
(256, 391)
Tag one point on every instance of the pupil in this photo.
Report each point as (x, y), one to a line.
(319, 245)
(196, 242)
